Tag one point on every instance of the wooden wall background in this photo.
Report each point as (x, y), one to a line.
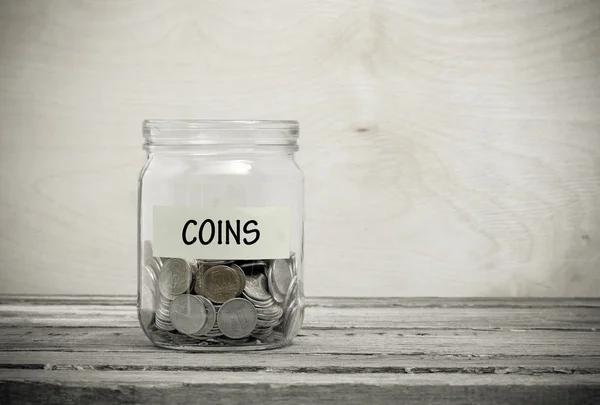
(451, 147)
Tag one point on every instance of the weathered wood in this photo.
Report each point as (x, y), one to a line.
(461, 342)
(324, 363)
(150, 387)
(357, 315)
(83, 349)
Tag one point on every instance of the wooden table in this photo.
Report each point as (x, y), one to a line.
(80, 349)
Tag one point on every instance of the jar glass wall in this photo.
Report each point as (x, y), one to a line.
(220, 235)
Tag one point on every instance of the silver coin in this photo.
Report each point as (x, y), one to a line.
(277, 295)
(256, 287)
(213, 262)
(291, 293)
(163, 315)
(260, 303)
(164, 326)
(147, 300)
(260, 322)
(188, 314)
(220, 283)
(281, 276)
(201, 269)
(148, 277)
(237, 318)
(155, 265)
(274, 314)
(193, 265)
(293, 263)
(293, 321)
(262, 333)
(147, 305)
(175, 278)
(211, 317)
(241, 276)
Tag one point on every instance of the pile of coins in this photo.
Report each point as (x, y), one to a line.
(231, 301)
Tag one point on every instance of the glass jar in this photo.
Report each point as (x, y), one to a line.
(220, 235)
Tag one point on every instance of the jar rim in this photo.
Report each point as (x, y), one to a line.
(190, 132)
(178, 124)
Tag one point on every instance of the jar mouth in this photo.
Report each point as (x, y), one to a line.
(190, 132)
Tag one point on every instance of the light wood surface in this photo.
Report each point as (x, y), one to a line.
(451, 148)
(446, 355)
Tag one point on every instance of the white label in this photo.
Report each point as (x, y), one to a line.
(222, 233)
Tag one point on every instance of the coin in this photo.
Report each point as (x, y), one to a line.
(147, 303)
(237, 318)
(155, 265)
(281, 274)
(163, 325)
(211, 316)
(198, 278)
(148, 277)
(262, 333)
(293, 263)
(293, 322)
(220, 283)
(241, 276)
(256, 287)
(270, 312)
(175, 278)
(260, 304)
(188, 314)
(277, 296)
(260, 322)
(292, 293)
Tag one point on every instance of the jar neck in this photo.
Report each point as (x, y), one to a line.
(211, 137)
(220, 150)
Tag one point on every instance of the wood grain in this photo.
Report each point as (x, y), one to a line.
(323, 313)
(72, 387)
(546, 361)
(450, 149)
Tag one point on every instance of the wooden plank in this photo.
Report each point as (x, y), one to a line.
(342, 356)
(152, 387)
(506, 318)
(287, 361)
(333, 341)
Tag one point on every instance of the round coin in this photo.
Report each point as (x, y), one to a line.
(211, 316)
(148, 277)
(147, 305)
(292, 293)
(155, 265)
(293, 321)
(256, 287)
(281, 274)
(164, 326)
(241, 276)
(188, 314)
(175, 278)
(220, 283)
(237, 318)
(277, 295)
